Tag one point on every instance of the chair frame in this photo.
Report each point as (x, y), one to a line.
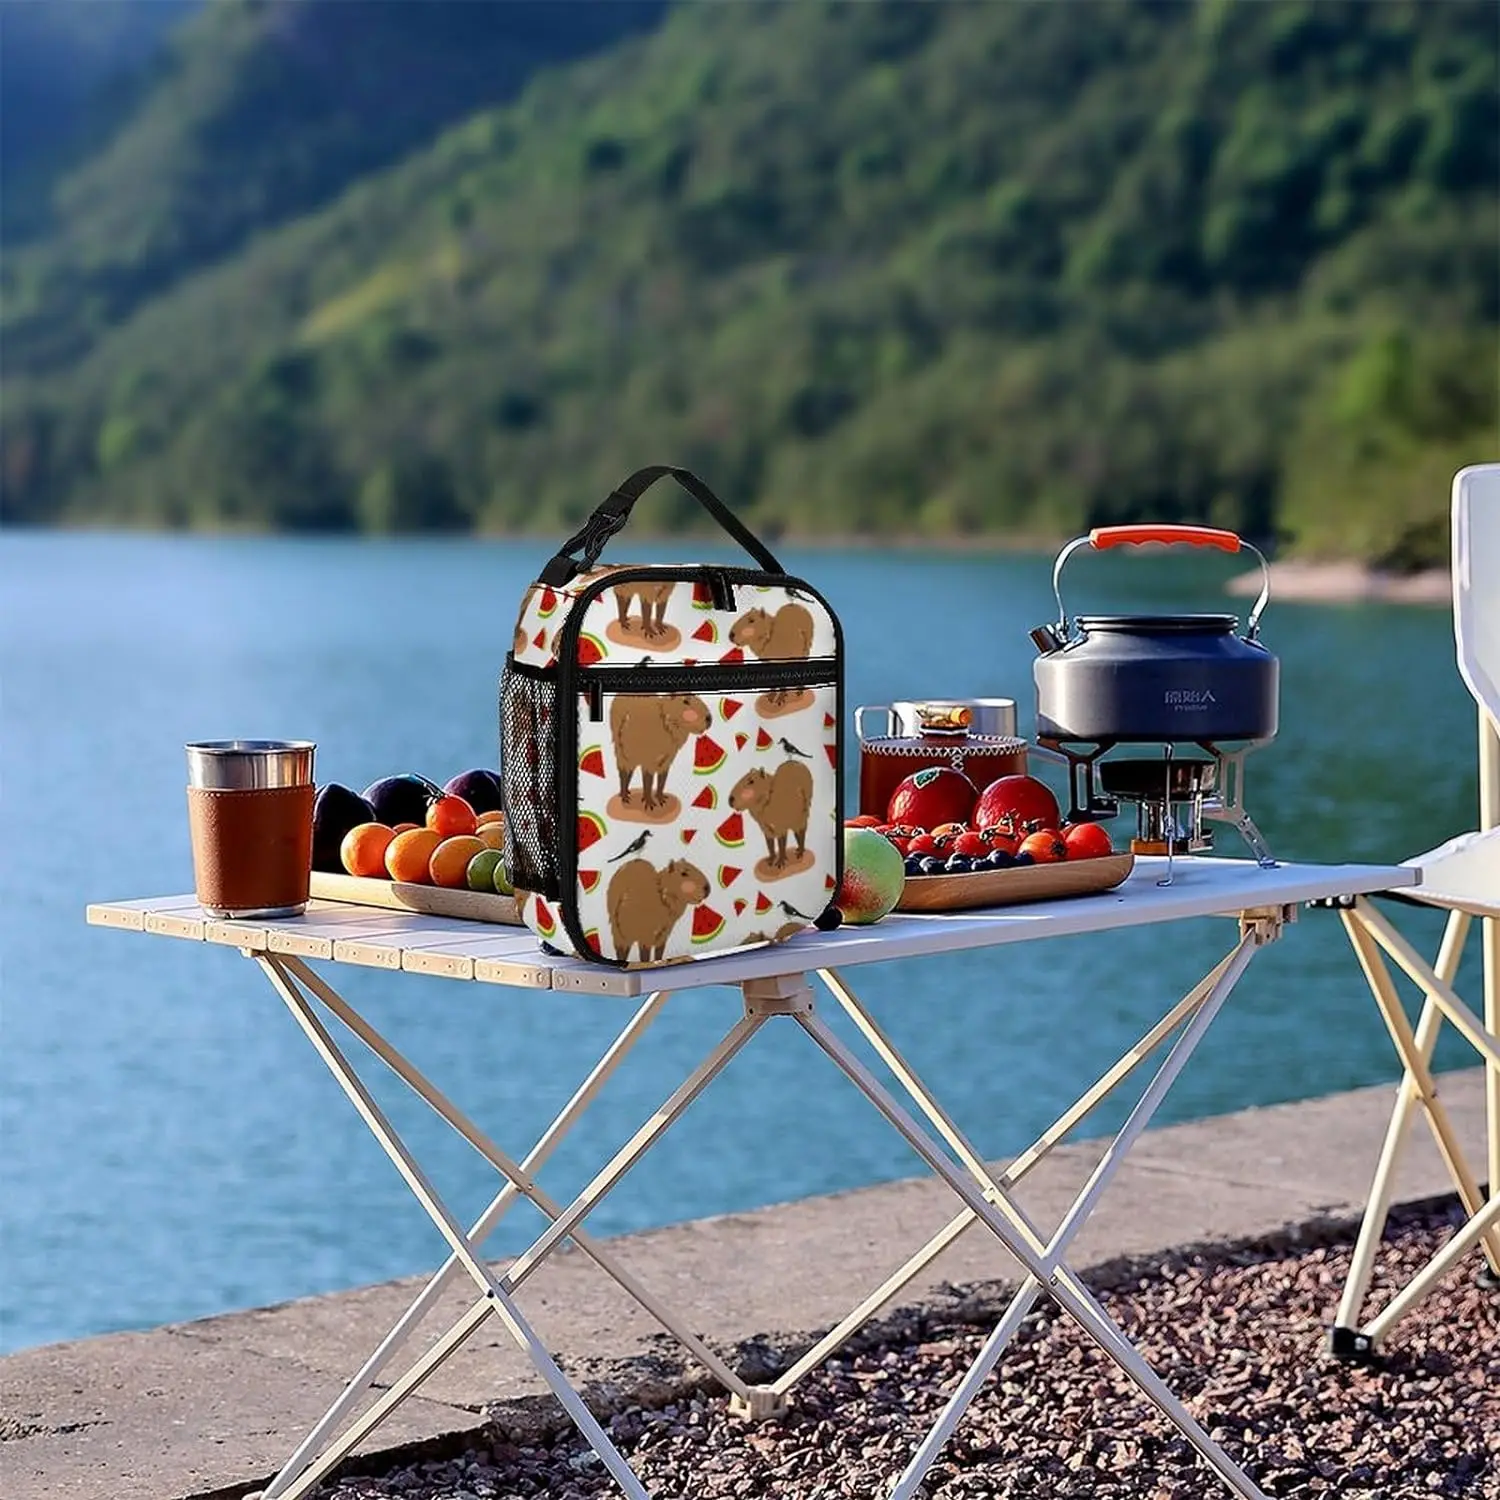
(1374, 940)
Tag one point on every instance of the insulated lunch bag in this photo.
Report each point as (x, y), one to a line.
(671, 749)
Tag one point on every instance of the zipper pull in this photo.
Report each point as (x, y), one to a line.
(721, 588)
(596, 700)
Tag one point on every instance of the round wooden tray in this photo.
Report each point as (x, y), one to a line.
(1080, 877)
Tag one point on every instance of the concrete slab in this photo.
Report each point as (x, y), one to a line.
(212, 1406)
(154, 1416)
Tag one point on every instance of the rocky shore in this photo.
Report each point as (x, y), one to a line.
(1346, 583)
(1238, 1333)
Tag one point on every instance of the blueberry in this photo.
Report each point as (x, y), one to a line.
(1024, 859)
(913, 864)
(999, 859)
(959, 864)
(931, 865)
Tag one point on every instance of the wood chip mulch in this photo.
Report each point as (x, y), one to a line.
(1240, 1335)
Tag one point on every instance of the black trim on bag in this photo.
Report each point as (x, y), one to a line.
(569, 671)
(805, 672)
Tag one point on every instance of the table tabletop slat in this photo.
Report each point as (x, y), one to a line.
(453, 948)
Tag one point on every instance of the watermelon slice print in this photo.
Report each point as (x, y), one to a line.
(732, 658)
(590, 650)
(729, 707)
(828, 721)
(707, 631)
(708, 797)
(590, 830)
(688, 835)
(592, 760)
(833, 755)
(741, 740)
(739, 906)
(708, 756)
(707, 924)
(728, 874)
(539, 640)
(542, 919)
(591, 937)
(762, 903)
(548, 603)
(763, 741)
(588, 879)
(828, 882)
(731, 832)
(703, 595)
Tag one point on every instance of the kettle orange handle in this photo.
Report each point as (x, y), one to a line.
(1103, 537)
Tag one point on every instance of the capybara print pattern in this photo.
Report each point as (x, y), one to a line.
(650, 598)
(780, 801)
(709, 829)
(649, 731)
(645, 904)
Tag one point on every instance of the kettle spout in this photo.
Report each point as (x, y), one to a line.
(1047, 638)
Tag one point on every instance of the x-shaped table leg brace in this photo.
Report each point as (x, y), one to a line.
(1369, 932)
(303, 1472)
(988, 1201)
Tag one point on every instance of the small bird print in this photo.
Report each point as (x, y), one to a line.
(791, 749)
(792, 911)
(633, 847)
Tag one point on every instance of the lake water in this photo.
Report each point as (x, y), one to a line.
(169, 1144)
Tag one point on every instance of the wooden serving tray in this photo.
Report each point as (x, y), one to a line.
(431, 900)
(1080, 877)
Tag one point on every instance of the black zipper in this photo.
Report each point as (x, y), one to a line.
(815, 671)
(721, 583)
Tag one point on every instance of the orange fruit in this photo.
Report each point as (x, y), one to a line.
(408, 853)
(363, 849)
(491, 835)
(449, 862)
(493, 816)
(451, 816)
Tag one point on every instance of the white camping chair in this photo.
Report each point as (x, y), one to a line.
(1463, 878)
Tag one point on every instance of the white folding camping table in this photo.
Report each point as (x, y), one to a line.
(774, 983)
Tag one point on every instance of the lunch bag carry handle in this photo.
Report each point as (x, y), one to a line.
(614, 511)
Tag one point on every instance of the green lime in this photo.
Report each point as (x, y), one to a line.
(502, 881)
(482, 868)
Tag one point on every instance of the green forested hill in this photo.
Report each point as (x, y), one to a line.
(1009, 268)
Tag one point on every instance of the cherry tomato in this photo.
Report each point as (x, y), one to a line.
(921, 844)
(450, 816)
(1087, 841)
(1000, 837)
(1046, 847)
(970, 843)
(864, 820)
(900, 843)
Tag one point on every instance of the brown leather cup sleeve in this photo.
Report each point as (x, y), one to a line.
(251, 849)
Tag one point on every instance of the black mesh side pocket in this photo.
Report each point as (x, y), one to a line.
(528, 773)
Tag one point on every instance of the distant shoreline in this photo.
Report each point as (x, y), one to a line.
(1304, 581)
(1346, 583)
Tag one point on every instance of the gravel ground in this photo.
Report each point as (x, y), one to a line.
(1239, 1335)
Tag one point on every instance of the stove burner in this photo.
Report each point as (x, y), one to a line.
(1140, 780)
(1173, 797)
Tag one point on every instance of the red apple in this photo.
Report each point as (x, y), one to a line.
(931, 797)
(1016, 802)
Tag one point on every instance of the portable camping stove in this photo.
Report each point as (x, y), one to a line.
(1175, 797)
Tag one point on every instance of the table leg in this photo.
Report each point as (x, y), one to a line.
(496, 1298)
(500, 1304)
(1044, 1261)
(483, 1227)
